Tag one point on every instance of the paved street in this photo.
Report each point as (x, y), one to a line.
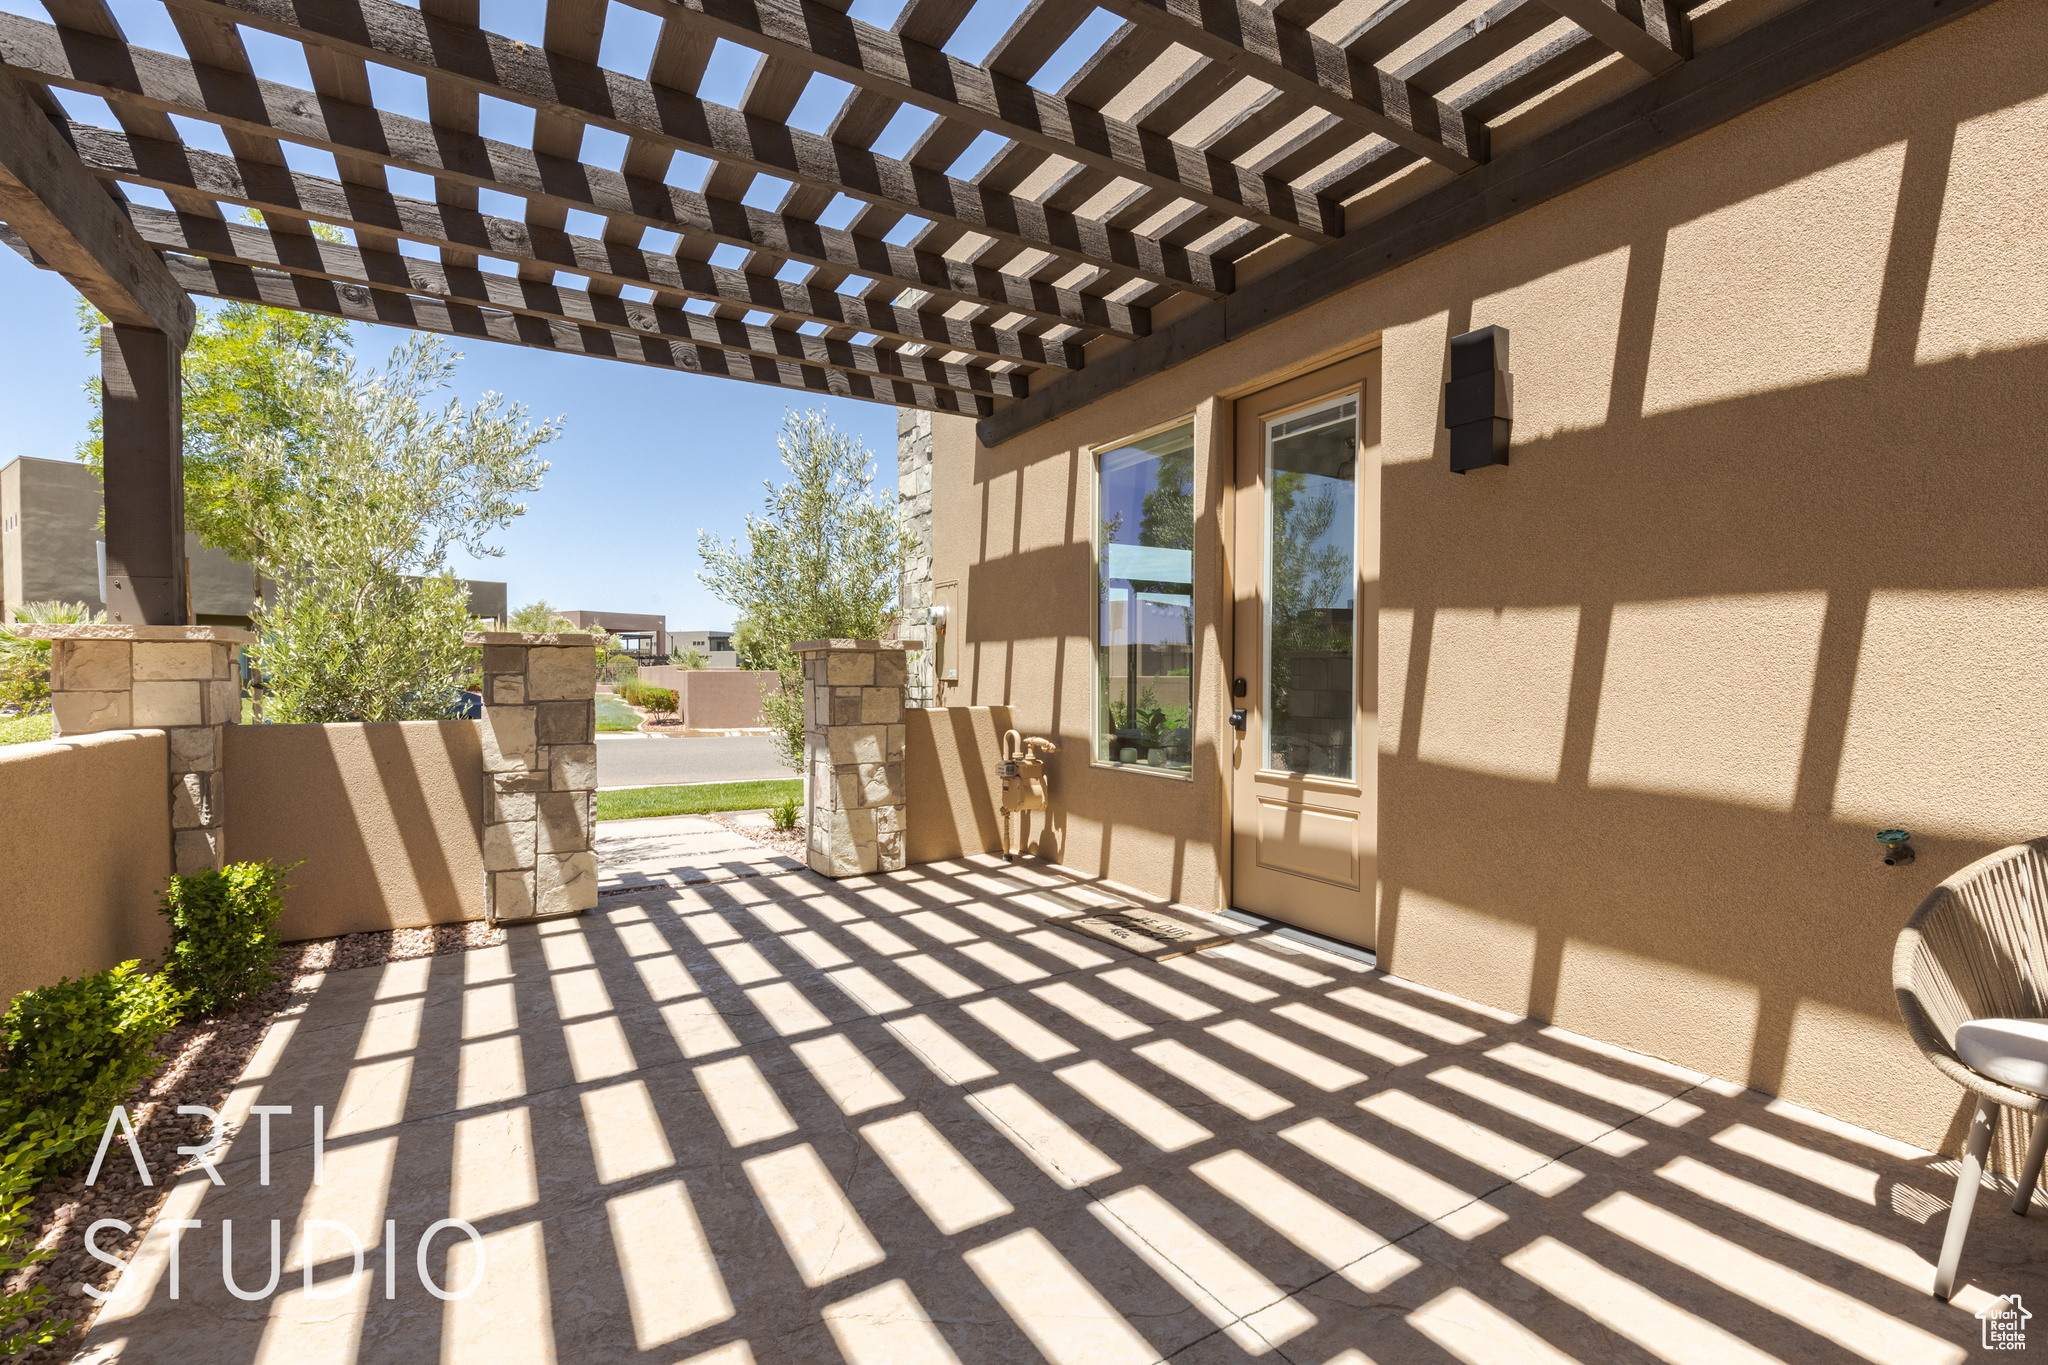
(652, 761)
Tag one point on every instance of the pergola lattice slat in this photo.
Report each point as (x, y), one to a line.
(1661, 41)
(1254, 41)
(126, 75)
(1197, 136)
(168, 165)
(395, 35)
(305, 294)
(239, 244)
(988, 100)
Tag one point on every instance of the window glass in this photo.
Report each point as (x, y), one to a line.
(1145, 627)
(1311, 589)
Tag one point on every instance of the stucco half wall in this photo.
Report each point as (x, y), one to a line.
(385, 821)
(85, 844)
(952, 797)
(1765, 575)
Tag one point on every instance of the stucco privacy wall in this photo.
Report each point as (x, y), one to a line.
(715, 698)
(388, 818)
(85, 841)
(953, 796)
(1766, 575)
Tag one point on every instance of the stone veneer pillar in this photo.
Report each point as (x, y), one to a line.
(540, 764)
(183, 680)
(914, 583)
(853, 743)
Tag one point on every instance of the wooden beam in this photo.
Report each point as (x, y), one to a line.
(1771, 59)
(242, 244)
(397, 35)
(213, 279)
(64, 214)
(127, 76)
(165, 165)
(143, 472)
(893, 64)
(1660, 42)
(1253, 41)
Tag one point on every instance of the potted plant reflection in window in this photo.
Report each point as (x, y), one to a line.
(1145, 604)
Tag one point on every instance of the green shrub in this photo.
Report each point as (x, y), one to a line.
(660, 700)
(75, 1048)
(27, 1150)
(223, 933)
(784, 815)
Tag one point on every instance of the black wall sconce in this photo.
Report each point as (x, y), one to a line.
(1479, 402)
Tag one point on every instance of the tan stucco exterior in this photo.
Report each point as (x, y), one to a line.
(85, 838)
(1766, 575)
(387, 818)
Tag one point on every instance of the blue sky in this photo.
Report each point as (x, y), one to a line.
(648, 456)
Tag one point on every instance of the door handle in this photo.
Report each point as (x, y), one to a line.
(1237, 719)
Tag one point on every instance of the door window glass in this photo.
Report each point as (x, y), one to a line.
(1311, 589)
(1145, 628)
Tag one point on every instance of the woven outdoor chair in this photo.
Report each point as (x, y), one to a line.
(1971, 974)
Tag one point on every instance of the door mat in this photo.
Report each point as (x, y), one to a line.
(1144, 933)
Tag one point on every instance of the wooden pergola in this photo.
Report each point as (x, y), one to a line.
(1199, 133)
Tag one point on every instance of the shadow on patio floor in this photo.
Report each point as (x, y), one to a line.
(907, 1119)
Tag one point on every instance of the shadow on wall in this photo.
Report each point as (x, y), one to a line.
(1765, 575)
(384, 819)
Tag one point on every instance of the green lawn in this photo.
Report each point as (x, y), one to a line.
(26, 729)
(613, 714)
(698, 799)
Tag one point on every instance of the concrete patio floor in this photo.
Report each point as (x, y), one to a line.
(908, 1119)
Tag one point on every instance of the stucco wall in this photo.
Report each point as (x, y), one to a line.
(1766, 575)
(388, 819)
(715, 698)
(952, 796)
(85, 846)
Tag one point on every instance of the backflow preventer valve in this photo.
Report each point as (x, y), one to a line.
(1023, 776)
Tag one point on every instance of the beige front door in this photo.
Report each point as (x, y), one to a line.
(1305, 570)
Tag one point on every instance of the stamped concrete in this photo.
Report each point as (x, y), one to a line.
(907, 1119)
(678, 850)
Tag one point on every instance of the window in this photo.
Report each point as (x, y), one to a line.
(1312, 589)
(1145, 626)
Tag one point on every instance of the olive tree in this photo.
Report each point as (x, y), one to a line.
(352, 515)
(819, 560)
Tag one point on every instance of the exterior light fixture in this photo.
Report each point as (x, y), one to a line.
(1479, 400)
(1897, 845)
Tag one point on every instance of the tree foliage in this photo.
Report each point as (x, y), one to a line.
(25, 664)
(819, 561)
(353, 514)
(242, 383)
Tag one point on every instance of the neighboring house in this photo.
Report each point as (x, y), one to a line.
(50, 550)
(645, 637)
(714, 645)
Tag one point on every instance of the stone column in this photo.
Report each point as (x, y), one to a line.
(914, 519)
(183, 680)
(540, 762)
(853, 732)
